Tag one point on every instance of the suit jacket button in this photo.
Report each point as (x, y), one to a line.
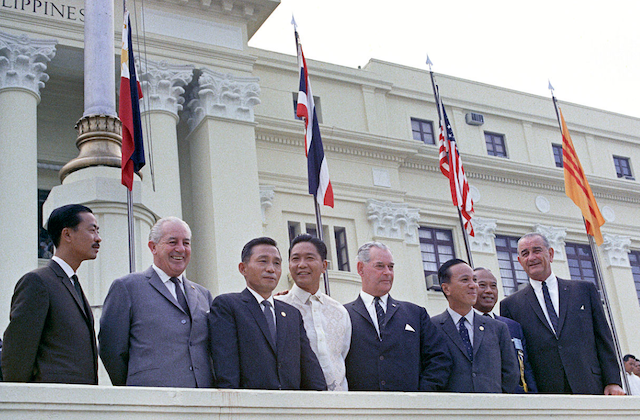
(190, 367)
(383, 383)
(381, 357)
(473, 374)
(184, 321)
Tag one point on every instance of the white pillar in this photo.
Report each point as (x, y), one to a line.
(99, 59)
(22, 64)
(226, 210)
(162, 89)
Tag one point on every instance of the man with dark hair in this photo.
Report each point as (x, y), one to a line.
(487, 299)
(258, 342)
(154, 329)
(569, 341)
(326, 321)
(630, 363)
(483, 358)
(394, 346)
(50, 337)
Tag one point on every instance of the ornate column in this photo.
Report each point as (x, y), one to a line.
(618, 279)
(162, 88)
(396, 225)
(556, 237)
(225, 192)
(23, 62)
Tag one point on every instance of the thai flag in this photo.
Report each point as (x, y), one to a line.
(130, 94)
(319, 183)
(451, 167)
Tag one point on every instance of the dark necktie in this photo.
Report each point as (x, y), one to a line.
(553, 316)
(182, 300)
(464, 334)
(379, 314)
(76, 285)
(268, 314)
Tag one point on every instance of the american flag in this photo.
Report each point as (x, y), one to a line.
(129, 109)
(318, 171)
(451, 167)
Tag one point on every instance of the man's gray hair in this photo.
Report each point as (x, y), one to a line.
(156, 232)
(364, 252)
(545, 241)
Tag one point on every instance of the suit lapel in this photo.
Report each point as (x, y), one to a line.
(479, 327)
(530, 297)
(191, 294)
(156, 283)
(254, 308)
(62, 276)
(450, 329)
(392, 307)
(563, 302)
(281, 326)
(359, 307)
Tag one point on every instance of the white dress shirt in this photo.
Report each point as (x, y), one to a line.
(634, 384)
(329, 330)
(166, 279)
(369, 303)
(552, 285)
(65, 267)
(468, 325)
(260, 299)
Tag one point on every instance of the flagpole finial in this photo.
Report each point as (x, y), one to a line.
(550, 86)
(293, 22)
(429, 62)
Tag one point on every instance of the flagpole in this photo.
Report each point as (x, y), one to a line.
(132, 249)
(321, 237)
(436, 94)
(599, 278)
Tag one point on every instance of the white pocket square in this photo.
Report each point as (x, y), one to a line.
(409, 328)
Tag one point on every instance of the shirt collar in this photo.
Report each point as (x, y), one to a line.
(164, 276)
(456, 316)
(367, 299)
(260, 298)
(551, 281)
(65, 267)
(491, 313)
(304, 296)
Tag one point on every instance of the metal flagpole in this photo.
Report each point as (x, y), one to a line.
(320, 236)
(599, 279)
(132, 249)
(436, 94)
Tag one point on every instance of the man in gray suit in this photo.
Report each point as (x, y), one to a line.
(153, 330)
(484, 359)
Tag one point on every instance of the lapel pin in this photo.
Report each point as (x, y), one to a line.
(283, 314)
(481, 328)
(193, 287)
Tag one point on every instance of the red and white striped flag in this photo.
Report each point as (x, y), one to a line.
(451, 167)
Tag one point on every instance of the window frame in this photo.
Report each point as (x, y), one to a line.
(421, 133)
(491, 137)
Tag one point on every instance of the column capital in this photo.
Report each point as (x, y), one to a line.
(556, 237)
(267, 194)
(393, 220)
(162, 84)
(615, 249)
(485, 231)
(224, 95)
(23, 61)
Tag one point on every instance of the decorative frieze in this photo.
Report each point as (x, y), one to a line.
(485, 231)
(615, 249)
(224, 95)
(162, 85)
(393, 220)
(556, 237)
(23, 61)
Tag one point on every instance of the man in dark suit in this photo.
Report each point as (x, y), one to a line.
(50, 337)
(484, 359)
(394, 346)
(153, 330)
(258, 342)
(570, 345)
(487, 299)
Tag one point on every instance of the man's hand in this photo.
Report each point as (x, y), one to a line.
(613, 389)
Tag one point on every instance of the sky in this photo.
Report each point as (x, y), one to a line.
(589, 50)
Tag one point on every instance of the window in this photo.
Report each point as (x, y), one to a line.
(580, 259)
(341, 248)
(422, 131)
(623, 168)
(495, 144)
(45, 244)
(511, 271)
(557, 155)
(634, 259)
(436, 247)
(316, 102)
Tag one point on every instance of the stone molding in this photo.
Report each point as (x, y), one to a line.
(23, 61)
(556, 237)
(223, 95)
(615, 249)
(267, 194)
(162, 84)
(393, 220)
(485, 231)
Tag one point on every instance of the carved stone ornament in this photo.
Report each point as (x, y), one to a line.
(267, 194)
(615, 249)
(162, 84)
(393, 220)
(23, 61)
(485, 231)
(224, 95)
(556, 237)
